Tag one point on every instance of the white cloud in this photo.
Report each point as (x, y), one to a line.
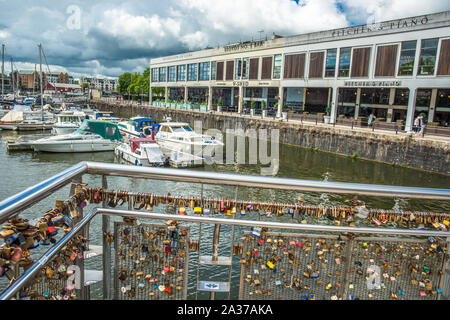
(118, 36)
(370, 11)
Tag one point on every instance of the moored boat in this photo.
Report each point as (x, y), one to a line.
(179, 137)
(137, 127)
(92, 136)
(141, 152)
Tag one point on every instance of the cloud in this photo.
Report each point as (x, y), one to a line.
(115, 36)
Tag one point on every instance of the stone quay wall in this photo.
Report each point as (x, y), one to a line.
(430, 154)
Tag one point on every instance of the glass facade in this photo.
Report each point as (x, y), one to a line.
(330, 65)
(401, 97)
(427, 60)
(423, 98)
(277, 66)
(407, 55)
(155, 76)
(204, 71)
(172, 74)
(181, 72)
(213, 70)
(344, 62)
(237, 69)
(375, 96)
(162, 74)
(192, 72)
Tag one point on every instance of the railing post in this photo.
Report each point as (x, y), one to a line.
(84, 292)
(215, 253)
(106, 248)
(445, 278)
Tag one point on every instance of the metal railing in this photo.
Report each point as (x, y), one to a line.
(17, 203)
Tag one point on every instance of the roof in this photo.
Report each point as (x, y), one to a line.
(65, 85)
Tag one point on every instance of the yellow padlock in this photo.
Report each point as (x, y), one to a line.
(270, 264)
(197, 210)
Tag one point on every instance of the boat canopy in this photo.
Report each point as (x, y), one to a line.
(139, 123)
(105, 129)
(136, 142)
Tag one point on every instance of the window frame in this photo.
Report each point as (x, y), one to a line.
(335, 63)
(280, 66)
(196, 71)
(349, 63)
(201, 72)
(169, 78)
(435, 58)
(400, 57)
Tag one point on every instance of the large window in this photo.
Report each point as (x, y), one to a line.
(238, 69)
(423, 98)
(181, 72)
(407, 55)
(155, 76)
(277, 66)
(401, 97)
(375, 96)
(213, 70)
(192, 72)
(245, 67)
(344, 62)
(172, 74)
(162, 74)
(204, 71)
(427, 57)
(330, 65)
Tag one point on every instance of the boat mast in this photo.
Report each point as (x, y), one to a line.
(34, 78)
(3, 70)
(40, 80)
(12, 80)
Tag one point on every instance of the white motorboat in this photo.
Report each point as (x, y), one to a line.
(137, 127)
(68, 122)
(141, 152)
(26, 121)
(92, 136)
(179, 137)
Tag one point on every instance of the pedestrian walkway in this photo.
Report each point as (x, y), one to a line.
(308, 122)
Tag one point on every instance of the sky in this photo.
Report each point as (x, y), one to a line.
(108, 38)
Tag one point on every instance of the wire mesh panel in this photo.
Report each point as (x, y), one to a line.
(393, 268)
(60, 278)
(287, 266)
(151, 262)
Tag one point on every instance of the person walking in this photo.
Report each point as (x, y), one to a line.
(371, 119)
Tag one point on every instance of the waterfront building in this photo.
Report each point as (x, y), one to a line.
(62, 87)
(102, 84)
(394, 69)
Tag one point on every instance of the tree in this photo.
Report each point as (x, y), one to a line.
(85, 85)
(124, 82)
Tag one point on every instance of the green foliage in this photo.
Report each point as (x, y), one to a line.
(252, 104)
(263, 105)
(124, 82)
(219, 101)
(135, 83)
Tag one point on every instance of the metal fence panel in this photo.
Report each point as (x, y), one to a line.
(151, 262)
(291, 266)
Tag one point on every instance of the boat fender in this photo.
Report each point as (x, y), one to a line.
(135, 162)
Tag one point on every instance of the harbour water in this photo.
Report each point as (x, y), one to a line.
(20, 170)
